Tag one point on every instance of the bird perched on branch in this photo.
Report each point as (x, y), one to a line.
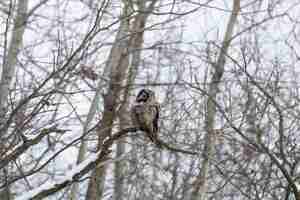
(145, 113)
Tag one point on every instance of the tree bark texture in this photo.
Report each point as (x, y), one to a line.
(118, 65)
(128, 42)
(8, 72)
(200, 189)
(9, 65)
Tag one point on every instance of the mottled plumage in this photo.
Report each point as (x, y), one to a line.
(145, 113)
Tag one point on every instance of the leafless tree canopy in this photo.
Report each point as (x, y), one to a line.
(225, 73)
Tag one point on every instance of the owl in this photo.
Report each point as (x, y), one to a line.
(145, 113)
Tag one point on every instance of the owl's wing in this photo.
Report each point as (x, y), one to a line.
(134, 116)
(141, 117)
(145, 116)
(155, 116)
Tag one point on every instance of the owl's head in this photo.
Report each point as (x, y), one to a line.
(145, 95)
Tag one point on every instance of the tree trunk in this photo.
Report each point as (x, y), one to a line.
(10, 57)
(199, 191)
(118, 65)
(136, 43)
(8, 72)
(119, 167)
(86, 127)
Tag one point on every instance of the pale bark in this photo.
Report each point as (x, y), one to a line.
(118, 65)
(8, 72)
(136, 43)
(201, 184)
(119, 172)
(120, 166)
(86, 127)
(9, 65)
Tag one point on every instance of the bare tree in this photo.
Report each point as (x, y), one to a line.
(8, 71)
(200, 189)
(119, 65)
(228, 92)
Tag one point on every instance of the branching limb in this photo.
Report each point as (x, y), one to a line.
(26, 145)
(99, 158)
(162, 144)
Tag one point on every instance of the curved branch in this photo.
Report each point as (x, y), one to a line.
(162, 144)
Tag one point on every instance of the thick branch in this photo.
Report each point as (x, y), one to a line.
(100, 158)
(26, 145)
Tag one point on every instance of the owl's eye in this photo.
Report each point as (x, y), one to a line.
(142, 96)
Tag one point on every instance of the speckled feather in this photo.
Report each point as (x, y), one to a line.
(145, 113)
